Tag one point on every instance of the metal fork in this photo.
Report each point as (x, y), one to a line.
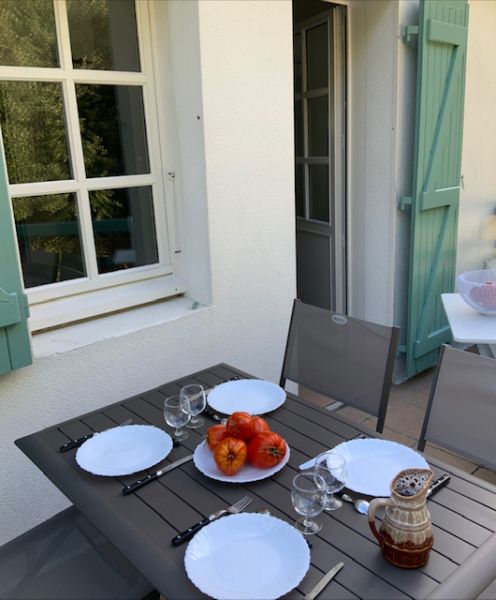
(237, 507)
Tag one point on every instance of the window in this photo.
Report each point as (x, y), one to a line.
(79, 121)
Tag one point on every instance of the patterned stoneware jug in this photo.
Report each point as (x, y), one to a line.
(405, 534)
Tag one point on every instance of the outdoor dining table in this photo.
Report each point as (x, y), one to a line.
(141, 525)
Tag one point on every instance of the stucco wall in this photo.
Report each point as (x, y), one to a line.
(405, 127)
(477, 217)
(242, 181)
(373, 30)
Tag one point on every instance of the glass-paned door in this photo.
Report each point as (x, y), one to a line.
(320, 150)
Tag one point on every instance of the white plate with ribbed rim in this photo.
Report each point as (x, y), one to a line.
(255, 396)
(124, 450)
(248, 556)
(372, 464)
(203, 459)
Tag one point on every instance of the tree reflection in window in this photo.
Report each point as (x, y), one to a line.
(103, 36)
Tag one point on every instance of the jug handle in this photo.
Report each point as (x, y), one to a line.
(374, 506)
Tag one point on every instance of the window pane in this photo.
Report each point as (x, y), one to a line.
(319, 192)
(300, 190)
(48, 237)
(27, 34)
(34, 132)
(317, 57)
(299, 128)
(112, 122)
(103, 35)
(297, 63)
(318, 128)
(124, 228)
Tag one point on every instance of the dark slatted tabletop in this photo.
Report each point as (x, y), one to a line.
(142, 524)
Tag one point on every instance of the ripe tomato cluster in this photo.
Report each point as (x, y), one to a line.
(245, 438)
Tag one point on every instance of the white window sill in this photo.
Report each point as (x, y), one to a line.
(70, 337)
(71, 309)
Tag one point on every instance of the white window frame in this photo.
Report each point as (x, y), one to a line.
(57, 303)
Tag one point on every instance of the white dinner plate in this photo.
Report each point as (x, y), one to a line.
(372, 464)
(249, 395)
(203, 458)
(124, 450)
(248, 556)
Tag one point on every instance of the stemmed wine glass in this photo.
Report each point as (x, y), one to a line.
(176, 413)
(330, 468)
(195, 395)
(307, 497)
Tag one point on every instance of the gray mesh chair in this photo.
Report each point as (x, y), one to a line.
(341, 357)
(461, 411)
(66, 558)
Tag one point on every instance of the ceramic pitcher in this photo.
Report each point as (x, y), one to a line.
(405, 534)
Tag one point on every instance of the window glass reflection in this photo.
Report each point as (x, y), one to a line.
(300, 190)
(48, 237)
(112, 123)
(317, 67)
(319, 192)
(124, 228)
(34, 131)
(27, 34)
(318, 126)
(103, 35)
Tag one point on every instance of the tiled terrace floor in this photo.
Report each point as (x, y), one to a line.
(405, 413)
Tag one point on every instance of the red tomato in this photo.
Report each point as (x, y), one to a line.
(266, 450)
(259, 425)
(230, 455)
(215, 434)
(240, 425)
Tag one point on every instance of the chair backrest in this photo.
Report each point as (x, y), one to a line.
(461, 413)
(67, 557)
(341, 357)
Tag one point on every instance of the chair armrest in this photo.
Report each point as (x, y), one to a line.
(472, 577)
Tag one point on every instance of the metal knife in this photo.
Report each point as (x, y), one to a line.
(315, 591)
(132, 487)
(80, 441)
(438, 484)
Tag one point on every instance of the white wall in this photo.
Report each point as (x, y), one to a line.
(372, 196)
(477, 217)
(405, 139)
(242, 185)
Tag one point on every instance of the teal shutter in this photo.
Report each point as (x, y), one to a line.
(15, 350)
(442, 45)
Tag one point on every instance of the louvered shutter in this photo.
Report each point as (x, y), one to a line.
(15, 349)
(442, 44)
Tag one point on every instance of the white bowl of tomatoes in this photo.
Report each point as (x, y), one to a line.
(241, 450)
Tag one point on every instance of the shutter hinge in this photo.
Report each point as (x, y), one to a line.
(408, 32)
(401, 350)
(405, 202)
(10, 308)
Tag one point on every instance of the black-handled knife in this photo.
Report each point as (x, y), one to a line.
(75, 443)
(209, 413)
(80, 441)
(132, 487)
(190, 532)
(438, 484)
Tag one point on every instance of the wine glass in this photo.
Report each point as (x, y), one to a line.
(307, 496)
(176, 413)
(195, 395)
(330, 467)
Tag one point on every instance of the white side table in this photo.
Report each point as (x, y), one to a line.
(469, 326)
